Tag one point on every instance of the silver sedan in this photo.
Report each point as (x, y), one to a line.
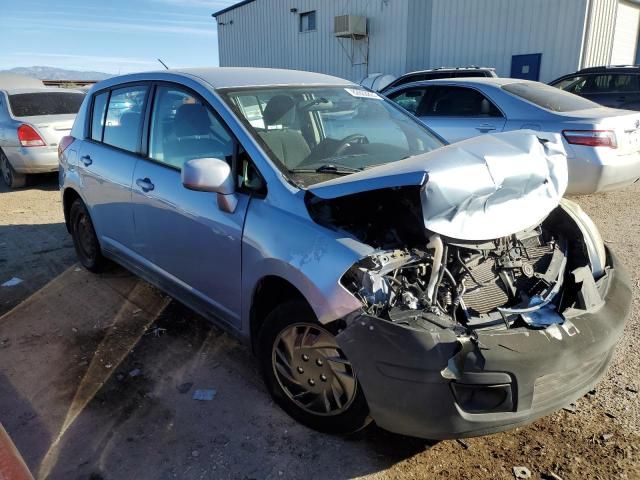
(32, 122)
(602, 144)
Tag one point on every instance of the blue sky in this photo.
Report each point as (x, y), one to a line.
(113, 36)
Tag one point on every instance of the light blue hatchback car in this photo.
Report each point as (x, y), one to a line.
(442, 291)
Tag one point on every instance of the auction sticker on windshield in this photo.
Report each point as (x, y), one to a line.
(356, 92)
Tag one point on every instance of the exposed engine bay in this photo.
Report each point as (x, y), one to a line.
(471, 284)
(502, 250)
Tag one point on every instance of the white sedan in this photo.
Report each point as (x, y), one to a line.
(602, 144)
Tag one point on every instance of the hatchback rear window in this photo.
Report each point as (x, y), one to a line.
(45, 103)
(548, 97)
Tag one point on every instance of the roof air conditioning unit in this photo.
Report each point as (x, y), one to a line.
(350, 26)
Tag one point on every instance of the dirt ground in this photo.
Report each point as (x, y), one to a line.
(97, 376)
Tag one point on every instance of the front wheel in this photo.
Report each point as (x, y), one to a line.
(84, 237)
(308, 374)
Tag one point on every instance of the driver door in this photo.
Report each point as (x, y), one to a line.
(190, 245)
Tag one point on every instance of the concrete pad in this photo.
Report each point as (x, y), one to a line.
(98, 379)
(62, 344)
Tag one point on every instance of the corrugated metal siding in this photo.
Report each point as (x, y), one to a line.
(265, 33)
(489, 32)
(419, 34)
(414, 34)
(599, 37)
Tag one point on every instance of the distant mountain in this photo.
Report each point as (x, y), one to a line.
(53, 73)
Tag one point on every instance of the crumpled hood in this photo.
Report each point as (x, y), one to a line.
(478, 189)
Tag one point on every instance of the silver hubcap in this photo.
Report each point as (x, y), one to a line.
(312, 370)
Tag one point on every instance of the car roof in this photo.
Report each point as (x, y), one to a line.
(17, 91)
(11, 81)
(228, 77)
(491, 81)
(448, 69)
(609, 68)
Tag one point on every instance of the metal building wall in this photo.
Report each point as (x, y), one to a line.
(265, 33)
(419, 35)
(489, 32)
(599, 35)
(407, 35)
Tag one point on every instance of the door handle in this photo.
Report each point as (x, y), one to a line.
(86, 159)
(485, 127)
(145, 184)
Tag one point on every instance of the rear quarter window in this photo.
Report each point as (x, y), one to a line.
(549, 98)
(97, 115)
(45, 103)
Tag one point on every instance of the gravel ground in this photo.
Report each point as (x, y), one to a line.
(79, 339)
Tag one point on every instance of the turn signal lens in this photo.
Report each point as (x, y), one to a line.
(29, 137)
(591, 138)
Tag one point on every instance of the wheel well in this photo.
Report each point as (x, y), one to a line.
(68, 198)
(270, 292)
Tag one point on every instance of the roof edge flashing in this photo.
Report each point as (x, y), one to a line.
(231, 7)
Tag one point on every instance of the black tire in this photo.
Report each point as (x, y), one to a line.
(11, 178)
(350, 418)
(84, 237)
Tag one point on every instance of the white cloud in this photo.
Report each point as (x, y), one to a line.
(83, 25)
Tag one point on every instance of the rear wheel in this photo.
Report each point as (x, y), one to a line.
(84, 237)
(307, 373)
(10, 177)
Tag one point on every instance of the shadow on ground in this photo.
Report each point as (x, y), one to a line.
(44, 181)
(34, 254)
(111, 366)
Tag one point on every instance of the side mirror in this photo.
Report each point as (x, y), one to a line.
(211, 175)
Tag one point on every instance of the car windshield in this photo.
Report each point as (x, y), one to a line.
(45, 103)
(315, 132)
(549, 98)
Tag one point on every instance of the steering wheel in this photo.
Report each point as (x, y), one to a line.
(347, 141)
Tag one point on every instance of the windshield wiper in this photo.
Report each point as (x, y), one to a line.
(328, 168)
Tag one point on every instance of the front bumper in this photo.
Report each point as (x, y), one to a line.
(534, 372)
(33, 159)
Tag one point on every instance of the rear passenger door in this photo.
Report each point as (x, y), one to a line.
(190, 246)
(107, 160)
(457, 113)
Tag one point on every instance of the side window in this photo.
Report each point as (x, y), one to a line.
(308, 21)
(125, 117)
(572, 84)
(460, 102)
(249, 179)
(183, 128)
(597, 84)
(97, 115)
(624, 83)
(409, 99)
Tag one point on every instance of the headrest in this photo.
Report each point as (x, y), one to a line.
(130, 120)
(485, 107)
(192, 120)
(277, 107)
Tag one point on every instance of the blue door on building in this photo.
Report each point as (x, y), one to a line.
(526, 67)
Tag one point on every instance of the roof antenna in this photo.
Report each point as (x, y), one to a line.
(163, 64)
